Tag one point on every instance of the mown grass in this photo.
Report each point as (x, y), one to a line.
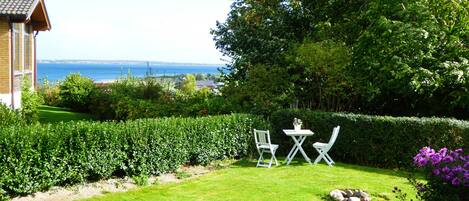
(300, 181)
(49, 114)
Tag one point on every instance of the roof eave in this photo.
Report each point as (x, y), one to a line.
(44, 26)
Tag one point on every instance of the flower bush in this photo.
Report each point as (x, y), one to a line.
(447, 174)
(450, 166)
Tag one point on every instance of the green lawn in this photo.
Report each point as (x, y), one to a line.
(48, 114)
(299, 181)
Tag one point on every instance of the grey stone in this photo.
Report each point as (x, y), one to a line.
(349, 193)
(353, 199)
(337, 195)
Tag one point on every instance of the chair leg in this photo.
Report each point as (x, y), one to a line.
(318, 159)
(261, 158)
(330, 159)
(270, 162)
(276, 162)
(272, 151)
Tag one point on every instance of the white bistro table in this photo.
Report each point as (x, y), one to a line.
(298, 136)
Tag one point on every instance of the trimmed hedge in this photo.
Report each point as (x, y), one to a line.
(35, 158)
(379, 141)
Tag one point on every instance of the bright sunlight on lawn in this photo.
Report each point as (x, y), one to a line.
(299, 181)
(49, 114)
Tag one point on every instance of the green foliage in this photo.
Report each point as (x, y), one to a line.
(9, 117)
(318, 71)
(140, 180)
(373, 140)
(75, 92)
(30, 102)
(188, 85)
(380, 57)
(135, 98)
(50, 93)
(265, 90)
(36, 157)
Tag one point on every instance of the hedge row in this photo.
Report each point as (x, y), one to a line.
(38, 157)
(372, 140)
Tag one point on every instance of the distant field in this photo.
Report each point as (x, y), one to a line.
(48, 114)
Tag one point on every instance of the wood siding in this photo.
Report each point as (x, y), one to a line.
(4, 56)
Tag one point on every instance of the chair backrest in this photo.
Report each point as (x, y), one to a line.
(335, 133)
(262, 137)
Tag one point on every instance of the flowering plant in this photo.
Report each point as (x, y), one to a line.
(297, 123)
(447, 174)
(450, 166)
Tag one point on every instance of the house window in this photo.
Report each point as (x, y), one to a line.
(17, 47)
(28, 48)
(22, 54)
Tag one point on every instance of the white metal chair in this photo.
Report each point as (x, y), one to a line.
(323, 148)
(264, 145)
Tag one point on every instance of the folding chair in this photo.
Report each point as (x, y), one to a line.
(323, 148)
(264, 145)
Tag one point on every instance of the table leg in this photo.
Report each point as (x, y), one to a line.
(289, 156)
(294, 150)
(296, 147)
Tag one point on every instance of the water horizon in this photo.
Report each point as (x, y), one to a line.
(54, 72)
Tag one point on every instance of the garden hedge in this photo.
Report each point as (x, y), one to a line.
(37, 157)
(379, 141)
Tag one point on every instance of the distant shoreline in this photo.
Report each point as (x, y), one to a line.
(125, 62)
(108, 72)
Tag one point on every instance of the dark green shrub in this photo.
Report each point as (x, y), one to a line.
(36, 157)
(372, 140)
(75, 92)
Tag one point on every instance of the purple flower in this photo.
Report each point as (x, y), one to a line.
(456, 181)
(448, 177)
(448, 159)
(445, 169)
(451, 167)
(443, 151)
(458, 169)
(436, 159)
(455, 154)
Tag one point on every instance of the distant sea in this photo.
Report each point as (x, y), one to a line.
(108, 72)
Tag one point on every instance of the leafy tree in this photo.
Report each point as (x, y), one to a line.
(404, 56)
(75, 92)
(189, 85)
(318, 72)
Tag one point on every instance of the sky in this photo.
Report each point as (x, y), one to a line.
(148, 30)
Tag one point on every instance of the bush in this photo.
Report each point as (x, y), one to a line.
(75, 92)
(9, 117)
(135, 98)
(447, 174)
(34, 158)
(50, 93)
(30, 102)
(373, 140)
